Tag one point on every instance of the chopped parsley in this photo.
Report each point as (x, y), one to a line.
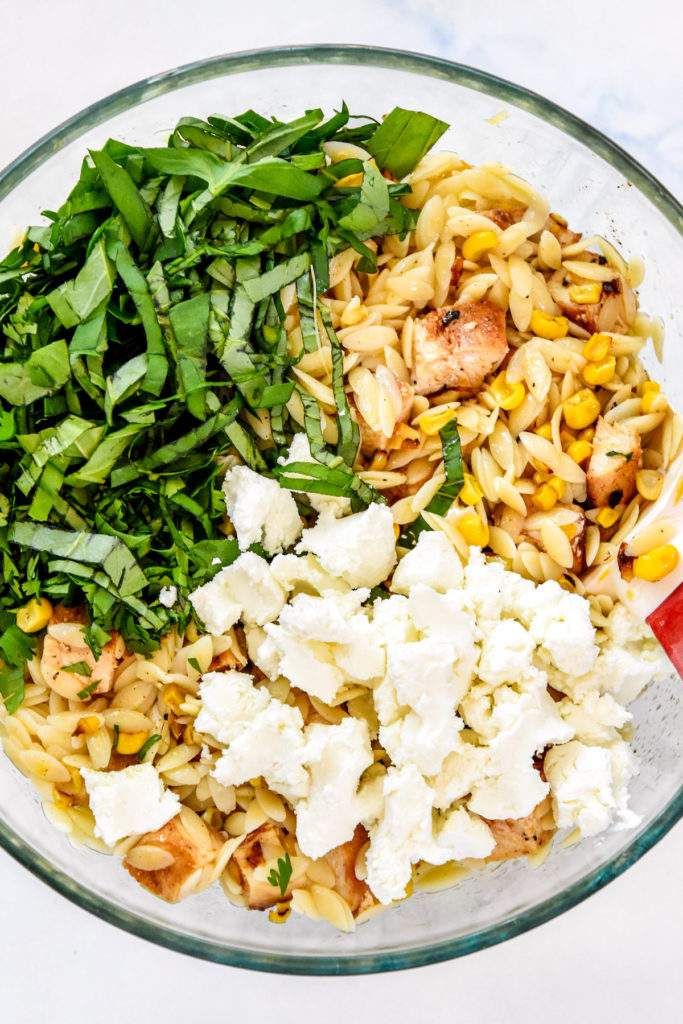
(78, 668)
(282, 874)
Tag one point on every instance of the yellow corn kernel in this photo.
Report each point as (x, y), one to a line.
(191, 736)
(402, 434)
(545, 431)
(597, 347)
(585, 294)
(559, 486)
(579, 451)
(397, 531)
(173, 696)
(89, 725)
(540, 478)
(649, 483)
(587, 435)
(650, 387)
(652, 400)
(597, 374)
(549, 327)
(35, 615)
(479, 243)
(545, 497)
(350, 181)
(474, 530)
(656, 564)
(508, 396)
(131, 742)
(279, 913)
(433, 420)
(77, 783)
(607, 517)
(379, 461)
(353, 316)
(471, 492)
(566, 438)
(581, 409)
(191, 633)
(60, 799)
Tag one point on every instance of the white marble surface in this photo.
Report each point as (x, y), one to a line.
(616, 64)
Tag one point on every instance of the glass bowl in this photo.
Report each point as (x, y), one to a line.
(598, 188)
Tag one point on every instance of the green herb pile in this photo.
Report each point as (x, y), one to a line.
(142, 326)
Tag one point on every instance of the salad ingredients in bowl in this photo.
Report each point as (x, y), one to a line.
(316, 440)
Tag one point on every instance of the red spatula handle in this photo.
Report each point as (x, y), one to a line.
(667, 625)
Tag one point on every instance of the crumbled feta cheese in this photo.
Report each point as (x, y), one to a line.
(264, 736)
(596, 718)
(433, 561)
(245, 590)
(506, 654)
(168, 596)
(361, 548)
(303, 574)
(336, 756)
(332, 618)
(588, 785)
(127, 802)
(260, 510)
(300, 451)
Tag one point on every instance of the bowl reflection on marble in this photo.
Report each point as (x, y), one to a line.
(599, 189)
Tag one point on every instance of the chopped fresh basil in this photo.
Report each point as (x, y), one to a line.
(78, 668)
(451, 487)
(622, 455)
(87, 690)
(147, 745)
(195, 664)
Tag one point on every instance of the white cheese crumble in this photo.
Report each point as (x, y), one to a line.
(128, 802)
(245, 590)
(260, 510)
(433, 561)
(361, 548)
(589, 785)
(168, 596)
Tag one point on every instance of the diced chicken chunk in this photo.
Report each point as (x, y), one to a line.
(263, 846)
(458, 346)
(64, 645)
(342, 860)
(574, 525)
(170, 862)
(505, 218)
(615, 309)
(372, 441)
(558, 227)
(612, 468)
(517, 837)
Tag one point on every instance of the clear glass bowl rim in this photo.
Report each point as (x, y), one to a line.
(661, 199)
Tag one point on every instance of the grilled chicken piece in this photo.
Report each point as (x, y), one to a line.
(613, 312)
(372, 441)
(505, 218)
(64, 645)
(265, 844)
(342, 860)
(458, 346)
(517, 837)
(558, 227)
(612, 468)
(509, 520)
(223, 661)
(182, 858)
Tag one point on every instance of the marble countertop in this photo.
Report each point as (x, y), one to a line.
(617, 65)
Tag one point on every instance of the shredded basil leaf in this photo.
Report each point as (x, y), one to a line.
(147, 745)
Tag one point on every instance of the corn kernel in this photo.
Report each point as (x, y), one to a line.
(379, 461)
(191, 736)
(471, 492)
(172, 696)
(433, 420)
(607, 517)
(474, 530)
(88, 725)
(397, 531)
(191, 634)
(596, 374)
(131, 742)
(587, 435)
(581, 409)
(279, 913)
(650, 387)
(77, 783)
(649, 483)
(540, 478)
(652, 400)
(508, 396)
(559, 486)
(60, 799)
(35, 615)
(479, 243)
(350, 181)
(545, 431)
(656, 564)
(597, 347)
(354, 315)
(545, 497)
(566, 438)
(579, 451)
(585, 294)
(549, 327)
